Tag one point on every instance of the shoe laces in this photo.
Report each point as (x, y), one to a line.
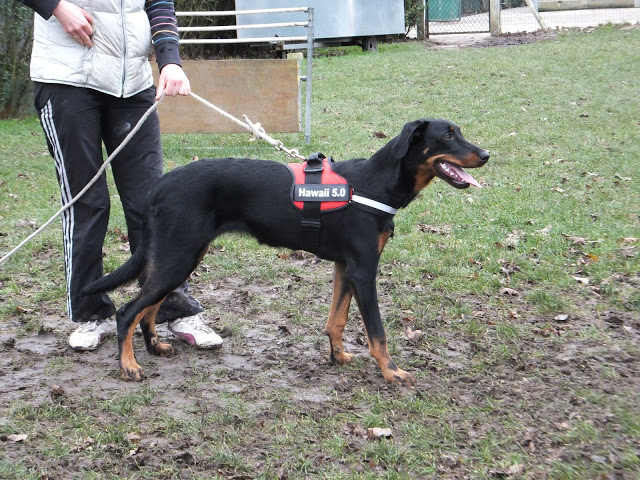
(88, 326)
(196, 322)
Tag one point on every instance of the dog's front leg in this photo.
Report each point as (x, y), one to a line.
(339, 314)
(148, 327)
(367, 298)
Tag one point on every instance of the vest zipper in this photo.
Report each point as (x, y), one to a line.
(124, 48)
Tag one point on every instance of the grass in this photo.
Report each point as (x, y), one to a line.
(511, 392)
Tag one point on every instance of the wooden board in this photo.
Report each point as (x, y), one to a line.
(266, 91)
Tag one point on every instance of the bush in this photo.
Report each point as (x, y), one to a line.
(16, 32)
(413, 13)
(198, 51)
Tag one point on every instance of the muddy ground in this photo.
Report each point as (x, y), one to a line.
(548, 383)
(572, 377)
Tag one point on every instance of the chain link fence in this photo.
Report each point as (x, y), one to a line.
(472, 16)
(457, 16)
(517, 17)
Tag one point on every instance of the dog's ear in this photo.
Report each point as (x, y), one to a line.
(409, 133)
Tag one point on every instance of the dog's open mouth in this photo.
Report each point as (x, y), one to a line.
(455, 175)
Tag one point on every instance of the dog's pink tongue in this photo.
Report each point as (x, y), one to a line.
(465, 177)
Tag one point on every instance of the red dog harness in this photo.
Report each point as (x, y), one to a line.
(317, 189)
(316, 182)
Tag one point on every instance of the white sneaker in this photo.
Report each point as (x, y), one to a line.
(195, 332)
(89, 335)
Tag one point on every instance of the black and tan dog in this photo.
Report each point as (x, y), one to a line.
(192, 205)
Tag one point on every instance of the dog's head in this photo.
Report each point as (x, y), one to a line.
(431, 148)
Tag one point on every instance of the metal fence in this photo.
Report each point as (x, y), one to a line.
(472, 16)
(456, 16)
(521, 19)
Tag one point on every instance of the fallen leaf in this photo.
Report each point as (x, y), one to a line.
(413, 335)
(561, 318)
(575, 240)
(379, 135)
(509, 291)
(56, 391)
(17, 438)
(377, 432)
(284, 329)
(516, 469)
(27, 223)
(582, 280)
(433, 229)
(629, 240)
(355, 429)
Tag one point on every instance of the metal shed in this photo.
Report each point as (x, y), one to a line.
(335, 21)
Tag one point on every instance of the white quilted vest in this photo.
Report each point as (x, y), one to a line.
(116, 64)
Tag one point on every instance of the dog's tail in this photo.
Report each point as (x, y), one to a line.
(128, 271)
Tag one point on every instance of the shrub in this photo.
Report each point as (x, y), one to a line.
(16, 32)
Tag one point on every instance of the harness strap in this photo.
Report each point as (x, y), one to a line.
(311, 210)
(374, 206)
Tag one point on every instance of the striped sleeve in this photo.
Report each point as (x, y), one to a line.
(164, 31)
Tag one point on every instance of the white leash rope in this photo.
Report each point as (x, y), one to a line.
(91, 182)
(256, 129)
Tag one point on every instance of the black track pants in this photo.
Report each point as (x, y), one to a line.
(77, 121)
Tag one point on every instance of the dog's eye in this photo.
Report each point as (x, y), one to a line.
(447, 136)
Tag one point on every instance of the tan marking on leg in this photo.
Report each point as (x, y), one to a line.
(129, 368)
(392, 374)
(159, 348)
(382, 240)
(338, 315)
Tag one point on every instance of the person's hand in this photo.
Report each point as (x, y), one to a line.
(173, 81)
(76, 21)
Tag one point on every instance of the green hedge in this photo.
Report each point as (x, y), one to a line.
(16, 32)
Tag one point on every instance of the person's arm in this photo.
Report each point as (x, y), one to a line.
(44, 8)
(164, 34)
(76, 21)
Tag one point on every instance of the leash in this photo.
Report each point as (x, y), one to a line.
(91, 182)
(256, 129)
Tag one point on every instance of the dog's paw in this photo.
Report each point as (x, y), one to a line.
(133, 374)
(398, 377)
(404, 379)
(163, 349)
(340, 356)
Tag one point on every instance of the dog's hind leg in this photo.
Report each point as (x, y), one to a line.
(148, 327)
(127, 319)
(339, 314)
(365, 292)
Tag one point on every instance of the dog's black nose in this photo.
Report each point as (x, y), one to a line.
(484, 156)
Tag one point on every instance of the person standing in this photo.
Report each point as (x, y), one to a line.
(92, 83)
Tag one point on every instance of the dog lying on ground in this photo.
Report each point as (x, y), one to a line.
(348, 222)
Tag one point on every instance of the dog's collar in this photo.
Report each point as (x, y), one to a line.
(381, 207)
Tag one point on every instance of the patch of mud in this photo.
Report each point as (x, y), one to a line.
(481, 40)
